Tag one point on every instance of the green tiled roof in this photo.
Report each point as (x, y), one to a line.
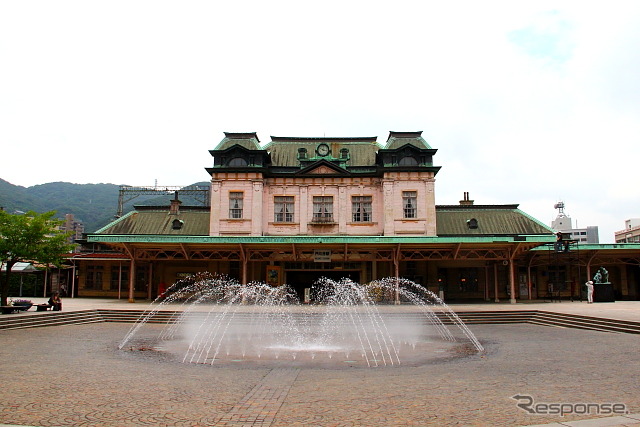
(491, 220)
(452, 223)
(248, 140)
(145, 222)
(399, 139)
(284, 150)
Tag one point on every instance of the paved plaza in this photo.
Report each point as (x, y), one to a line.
(75, 375)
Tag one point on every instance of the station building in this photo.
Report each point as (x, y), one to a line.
(297, 209)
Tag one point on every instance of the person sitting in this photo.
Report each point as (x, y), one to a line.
(55, 301)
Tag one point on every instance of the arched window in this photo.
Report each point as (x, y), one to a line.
(408, 161)
(237, 161)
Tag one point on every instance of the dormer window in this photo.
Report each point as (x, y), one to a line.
(302, 153)
(472, 223)
(344, 153)
(177, 224)
(238, 161)
(408, 161)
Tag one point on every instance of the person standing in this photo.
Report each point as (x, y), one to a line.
(589, 285)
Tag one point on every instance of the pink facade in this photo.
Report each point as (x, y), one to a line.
(322, 197)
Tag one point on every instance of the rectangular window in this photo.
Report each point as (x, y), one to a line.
(119, 277)
(94, 277)
(410, 204)
(235, 204)
(361, 208)
(322, 209)
(283, 208)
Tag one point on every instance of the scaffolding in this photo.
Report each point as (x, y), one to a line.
(201, 193)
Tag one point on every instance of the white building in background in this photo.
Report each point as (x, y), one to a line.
(564, 223)
(631, 232)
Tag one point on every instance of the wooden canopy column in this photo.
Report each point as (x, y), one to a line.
(243, 260)
(589, 264)
(512, 279)
(396, 265)
(512, 282)
(495, 282)
(132, 281)
(132, 272)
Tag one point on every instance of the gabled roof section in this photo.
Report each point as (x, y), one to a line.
(236, 148)
(398, 139)
(20, 267)
(407, 151)
(240, 152)
(323, 167)
(284, 150)
(158, 221)
(248, 140)
(487, 220)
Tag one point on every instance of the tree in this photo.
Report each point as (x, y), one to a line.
(31, 237)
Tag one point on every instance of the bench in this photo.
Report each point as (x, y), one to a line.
(43, 307)
(8, 309)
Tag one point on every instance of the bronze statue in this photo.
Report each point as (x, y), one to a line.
(601, 276)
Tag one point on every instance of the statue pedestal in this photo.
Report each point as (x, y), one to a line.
(603, 292)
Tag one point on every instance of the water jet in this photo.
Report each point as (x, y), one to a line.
(217, 320)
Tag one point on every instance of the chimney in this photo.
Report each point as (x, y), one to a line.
(465, 201)
(174, 209)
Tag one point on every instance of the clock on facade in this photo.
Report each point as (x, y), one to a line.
(322, 150)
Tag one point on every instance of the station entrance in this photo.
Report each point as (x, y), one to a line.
(299, 280)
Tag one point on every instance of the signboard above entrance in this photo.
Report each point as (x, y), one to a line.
(322, 255)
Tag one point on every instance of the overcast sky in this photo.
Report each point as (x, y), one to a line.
(527, 102)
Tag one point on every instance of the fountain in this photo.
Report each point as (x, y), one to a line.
(218, 320)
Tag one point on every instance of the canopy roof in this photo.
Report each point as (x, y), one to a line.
(483, 220)
(20, 267)
(453, 222)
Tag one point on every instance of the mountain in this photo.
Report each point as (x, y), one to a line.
(93, 204)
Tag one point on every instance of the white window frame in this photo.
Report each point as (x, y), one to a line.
(410, 204)
(236, 203)
(361, 208)
(322, 208)
(283, 208)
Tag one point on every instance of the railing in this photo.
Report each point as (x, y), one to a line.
(322, 219)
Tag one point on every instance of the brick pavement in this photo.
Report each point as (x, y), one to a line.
(74, 375)
(260, 406)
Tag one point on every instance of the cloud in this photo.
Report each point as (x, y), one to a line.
(524, 102)
(547, 37)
